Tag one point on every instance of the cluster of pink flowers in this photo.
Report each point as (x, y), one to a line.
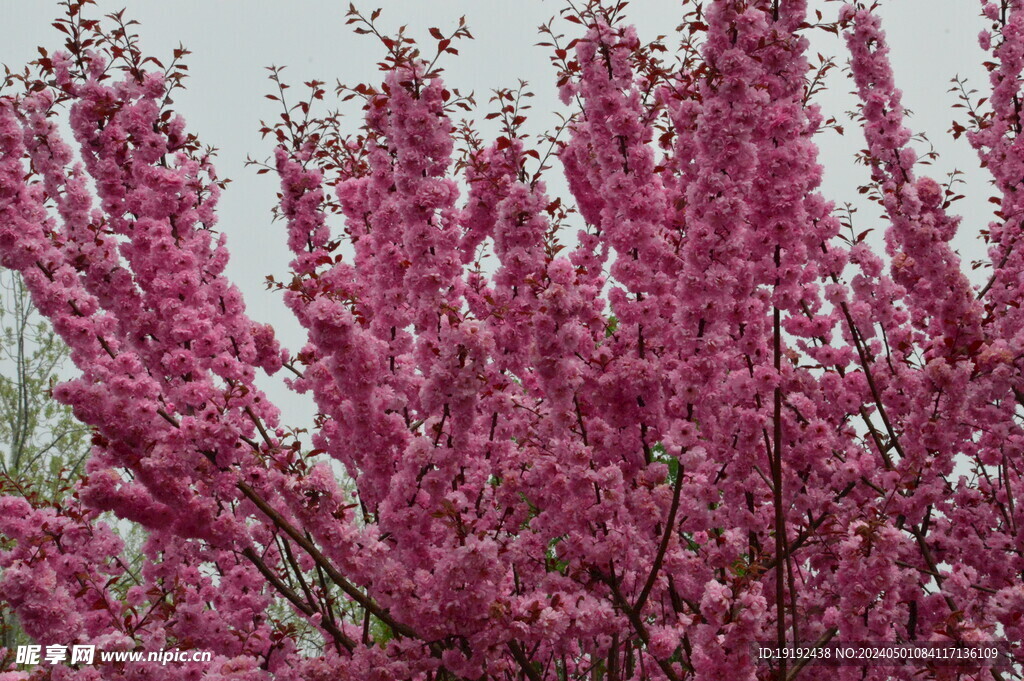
(709, 421)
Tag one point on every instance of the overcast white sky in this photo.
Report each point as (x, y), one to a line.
(232, 42)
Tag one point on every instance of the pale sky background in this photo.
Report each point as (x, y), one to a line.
(232, 42)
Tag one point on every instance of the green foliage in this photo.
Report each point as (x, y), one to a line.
(672, 462)
(42, 443)
(42, 446)
(611, 326)
(554, 563)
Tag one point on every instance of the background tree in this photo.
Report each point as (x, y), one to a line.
(708, 418)
(44, 446)
(41, 437)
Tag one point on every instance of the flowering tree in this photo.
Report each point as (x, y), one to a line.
(708, 418)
